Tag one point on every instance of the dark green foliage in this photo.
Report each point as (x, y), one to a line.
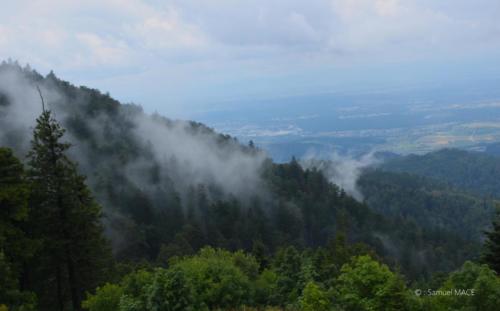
(470, 171)
(491, 254)
(300, 243)
(14, 210)
(472, 287)
(163, 213)
(329, 260)
(288, 264)
(426, 202)
(65, 218)
(438, 220)
(215, 279)
(16, 248)
(11, 294)
(362, 283)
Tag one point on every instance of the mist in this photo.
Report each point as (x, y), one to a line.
(18, 118)
(342, 170)
(181, 154)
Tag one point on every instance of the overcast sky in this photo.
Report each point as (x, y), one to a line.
(178, 56)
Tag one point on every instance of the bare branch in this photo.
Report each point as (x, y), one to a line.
(41, 97)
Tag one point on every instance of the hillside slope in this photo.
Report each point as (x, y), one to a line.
(471, 171)
(429, 203)
(170, 187)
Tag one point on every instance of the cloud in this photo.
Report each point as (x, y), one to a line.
(3, 36)
(187, 153)
(202, 46)
(97, 50)
(342, 170)
(18, 120)
(394, 27)
(165, 30)
(162, 159)
(71, 35)
(136, 28)
(256, 24)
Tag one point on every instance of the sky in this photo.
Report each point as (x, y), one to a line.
(181, 56)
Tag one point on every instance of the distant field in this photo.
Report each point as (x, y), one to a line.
(403, 121)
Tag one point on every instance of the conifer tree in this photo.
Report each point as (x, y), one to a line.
(65, 217)
(15, 246)
(13, 207)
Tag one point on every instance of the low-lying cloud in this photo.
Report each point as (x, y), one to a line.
(342, 170)
(181, 152)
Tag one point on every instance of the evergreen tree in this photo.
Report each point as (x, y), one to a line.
(491, 255)
(15, 246)
(288, 265)
(66, 218)
(13, 206)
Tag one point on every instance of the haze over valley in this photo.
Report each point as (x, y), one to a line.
(401, 121)
(319, 155)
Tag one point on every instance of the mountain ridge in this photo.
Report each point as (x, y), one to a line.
(171, 187)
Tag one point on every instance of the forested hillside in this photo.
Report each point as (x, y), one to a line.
(107, 208)
(428, 203)
(474, 172)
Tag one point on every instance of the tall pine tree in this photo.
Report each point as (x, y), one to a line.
(66, 219)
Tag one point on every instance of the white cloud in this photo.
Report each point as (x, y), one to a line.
(132, 29)
(397, 28)
(196, 42)
(95, 50)
(166, 31)
(342, 170)
(3, 36)
(73, 34)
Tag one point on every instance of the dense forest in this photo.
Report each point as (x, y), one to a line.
(474, 172)
(106, 208)
(429, 203)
